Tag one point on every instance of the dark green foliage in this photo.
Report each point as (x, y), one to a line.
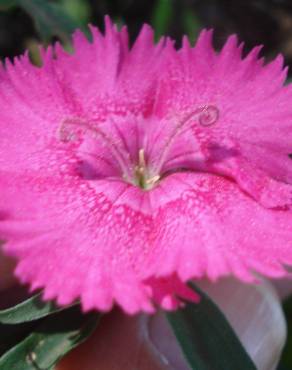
(44, 335)
(30, 310)
(207, 339)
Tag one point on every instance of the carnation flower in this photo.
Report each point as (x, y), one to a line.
(124, 173)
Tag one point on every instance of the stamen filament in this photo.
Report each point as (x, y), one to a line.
(207, 116)
(68, 136)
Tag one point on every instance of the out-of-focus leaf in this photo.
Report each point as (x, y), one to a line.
(119, 22)
(162, 17)
(6, 4)
(50, 341)
(33, 46)
(191, 23)
(286, 360)
(50, 19)
(79, 10)
(207, 339)
(31, 309)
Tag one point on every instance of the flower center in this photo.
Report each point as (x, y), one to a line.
(138, 151)
(142, 177)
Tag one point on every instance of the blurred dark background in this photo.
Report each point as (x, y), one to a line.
(267, 22)
(26, 23)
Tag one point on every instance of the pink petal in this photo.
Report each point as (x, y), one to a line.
(253, 106)
(193, 230)
(209, 227)
(74, 258)
(35, 102)
(214, 131)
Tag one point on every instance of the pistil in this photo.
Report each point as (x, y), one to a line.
(141, 173)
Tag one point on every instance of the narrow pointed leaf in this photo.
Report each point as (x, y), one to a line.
(31, 309)
(286, 359)
(191, 24)
(162, 17)
(207, 339)
(50, 341)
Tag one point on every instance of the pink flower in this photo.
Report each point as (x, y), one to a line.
(125, 173)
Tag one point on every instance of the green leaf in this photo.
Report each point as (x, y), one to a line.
(192, 24)
(50, 19)
(79, 10)
(31, 309)
(207, 339)
(50, 341)
(162, 17)
(286, 359)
